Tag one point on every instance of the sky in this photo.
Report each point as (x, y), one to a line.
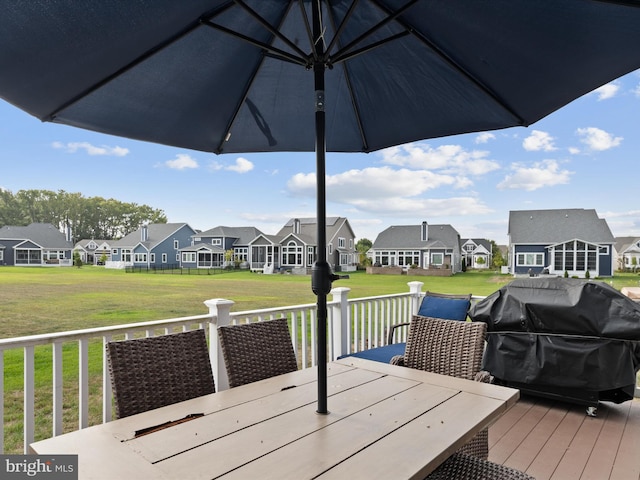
(585, 155)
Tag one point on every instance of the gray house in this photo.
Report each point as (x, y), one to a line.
(627, 253)
(565, 240)
(424, 246)
(37, 244)
(476, 252)
(294, 247)
(95, 252)
(208, 248)
(156, 245)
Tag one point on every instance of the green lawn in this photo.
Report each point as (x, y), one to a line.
(44, 300)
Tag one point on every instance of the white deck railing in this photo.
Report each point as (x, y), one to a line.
(354, 325)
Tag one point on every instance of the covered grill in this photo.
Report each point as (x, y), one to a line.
(572, 339)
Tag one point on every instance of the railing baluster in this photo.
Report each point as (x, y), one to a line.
(29, 397)
(107, 392)
(57, 388)
(83, 394)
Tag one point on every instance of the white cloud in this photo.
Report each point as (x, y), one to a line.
(241, 165)
(450, 159)
(574, 150)
(542, 174)
(538, 141)
(181, 162)
(636, 91)
(73, 147)
(597, 139)
(606, 91)
(485, 137)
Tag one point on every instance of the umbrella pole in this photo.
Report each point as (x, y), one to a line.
(321, 272)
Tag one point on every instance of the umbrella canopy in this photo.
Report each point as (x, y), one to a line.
(282, 75)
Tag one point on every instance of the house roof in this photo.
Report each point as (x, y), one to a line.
(556, 226)
(243, 235)
(409, 236)
(43, 234)
(309, 229)
(624, 244)
(157, 233)
(478, 241)
(84, 243)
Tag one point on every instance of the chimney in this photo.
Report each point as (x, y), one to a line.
(144, 232)
(424, 232)
(296, 225)
(67, 232)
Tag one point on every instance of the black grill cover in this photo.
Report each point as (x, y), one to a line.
(576, 338)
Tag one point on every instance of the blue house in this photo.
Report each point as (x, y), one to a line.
(208, 248)
(156, 245)
(571, 240)
(38, 244)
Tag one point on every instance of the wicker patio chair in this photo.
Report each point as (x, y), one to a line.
(455, 348)
(152, 372)
(258, 350)
(467, 467)
(438, 305)
(448, 347)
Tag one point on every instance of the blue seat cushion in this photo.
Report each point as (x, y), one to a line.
(447, 308)
(380, 354)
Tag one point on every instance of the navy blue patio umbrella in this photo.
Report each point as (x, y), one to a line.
(237, 76)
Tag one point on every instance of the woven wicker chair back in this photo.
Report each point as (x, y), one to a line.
(448, 347)
(255, 351)
(152, 372)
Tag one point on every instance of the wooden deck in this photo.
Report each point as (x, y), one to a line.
(556, 440)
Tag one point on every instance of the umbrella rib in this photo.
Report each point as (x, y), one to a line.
(233, 117)
(160, 46)
(365, 144)
(268, 26)
(272, 51)
(390, 17)
(451, 62)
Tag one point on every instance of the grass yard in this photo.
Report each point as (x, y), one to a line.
(43, 300)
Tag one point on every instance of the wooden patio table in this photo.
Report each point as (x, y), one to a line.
(384, 421)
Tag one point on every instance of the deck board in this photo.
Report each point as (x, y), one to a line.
(553, 440)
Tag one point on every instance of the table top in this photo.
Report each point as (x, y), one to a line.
(384, 421)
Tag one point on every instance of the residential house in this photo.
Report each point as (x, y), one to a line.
(476, 252)
(208, 248)
(156, 245)
(424, 246)
(37, 244)
(557, 241)
(294, 247)
(627, 251)
(95, 252)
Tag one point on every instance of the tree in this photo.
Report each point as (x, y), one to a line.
(82, 217)
(362, 247)
(497, 260)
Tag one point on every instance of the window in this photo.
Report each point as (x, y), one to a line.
(291, 254)
(188, 257)
(241, 254)
(603, 249)
(342, 242)
(530, 259)
(126, 254)
(176, 244)
(350, 243)
(437, 258)
(197, 239)
(310, 255)
(216, 241)
(164, 258)
(408, 258)
(152, 258)
(344, 259)
(1, 255)
(139, 258)
(114, 251)
(575, 256)
(330, 248)
(382, 258)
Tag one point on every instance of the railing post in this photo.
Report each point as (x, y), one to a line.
(340, 321)
(220, 311)
(415, 289)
